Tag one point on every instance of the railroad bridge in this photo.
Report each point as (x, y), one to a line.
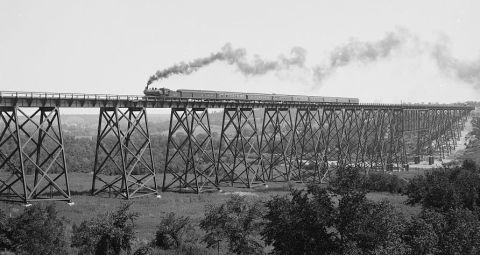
(259, 142)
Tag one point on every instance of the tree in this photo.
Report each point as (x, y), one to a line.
(38, 230)
(346, 180)
(108, 234)
(454, 232)
(172, 230)
(421, 233)
(461, 234)
(306, 216)
(237, 222)
(374, 228)
(445, 190)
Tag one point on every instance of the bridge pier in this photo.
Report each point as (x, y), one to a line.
(190, 164)
(239, 149)
(396, 152)
(123, 155)
(275, 144)
(306, 131)
(32, 157)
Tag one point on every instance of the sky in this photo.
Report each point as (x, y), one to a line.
(113, 47)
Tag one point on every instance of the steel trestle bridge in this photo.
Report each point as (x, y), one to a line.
(289, 141)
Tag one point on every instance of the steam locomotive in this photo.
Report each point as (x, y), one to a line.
(224, 95)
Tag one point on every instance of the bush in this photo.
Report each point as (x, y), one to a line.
(346, 180)
(38, 230)
(237, 222)
(106, 234)
(470, 165)
(385, 182)
(172, 231)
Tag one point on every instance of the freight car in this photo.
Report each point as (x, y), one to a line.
(239, 96)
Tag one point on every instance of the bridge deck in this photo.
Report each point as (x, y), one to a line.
(78, 100)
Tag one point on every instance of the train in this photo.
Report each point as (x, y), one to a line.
(240, 96)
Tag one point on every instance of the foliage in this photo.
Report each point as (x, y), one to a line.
(172, 231)
(307, 216)
(454, 232)
(445, 189)
(144, 250)
(355, 226)
(38, 230)
(470, 165)
(346, 180)
(384, 182)
(106, 234)
(5, 242)
(237, 222)
(373, 228)
(421, 235)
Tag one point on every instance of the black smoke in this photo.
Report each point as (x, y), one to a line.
(463, 70)
(238, 58)
(363, 52)
(354, 51)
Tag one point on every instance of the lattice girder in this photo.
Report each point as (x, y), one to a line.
(190, 158)
(32, 157)
(239, 158)
(123, 163)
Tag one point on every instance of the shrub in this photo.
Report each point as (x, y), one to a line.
(172, 231)
(385, 182)
(110, 233)
(346, 180)
(470, 165)
(38, 230)
(237, 222)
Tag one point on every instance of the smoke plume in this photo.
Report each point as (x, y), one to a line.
(354, 51)
(238, 58)
(364, 52)
(466, 71)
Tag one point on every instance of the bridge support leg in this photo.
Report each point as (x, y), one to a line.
(190, 164)
(123, 160)
(32, 156)
(396, 154)
(239, 152)
(275, 144)
(363, 127)
(304, 146)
